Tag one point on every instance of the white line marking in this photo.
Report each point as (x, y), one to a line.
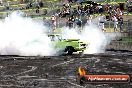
(32, 69)
(66, 62)
(75, 84)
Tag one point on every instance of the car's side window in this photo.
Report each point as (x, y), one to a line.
(55, 38)
(59, 38)
(51, 38)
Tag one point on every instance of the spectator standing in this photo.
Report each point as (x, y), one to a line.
(53, 21)
(78, 21)
(70, 22)
(121, 23)
(101, 22)
(89, 20)
(115, 20)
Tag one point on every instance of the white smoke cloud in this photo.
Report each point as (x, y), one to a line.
(23, 36)
(92, 35)
(96, 38)
(70, 33)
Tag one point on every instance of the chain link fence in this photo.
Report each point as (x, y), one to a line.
(108, 25)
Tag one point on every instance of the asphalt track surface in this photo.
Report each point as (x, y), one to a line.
(60, 71)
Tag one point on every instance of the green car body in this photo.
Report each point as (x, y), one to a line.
(67, 45)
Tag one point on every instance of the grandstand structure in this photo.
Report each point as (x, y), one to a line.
(7, 6)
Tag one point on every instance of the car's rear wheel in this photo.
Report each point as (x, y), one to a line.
(69, 50)
(81, 80)
(82, 52)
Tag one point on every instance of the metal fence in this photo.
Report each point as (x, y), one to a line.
(108, 25)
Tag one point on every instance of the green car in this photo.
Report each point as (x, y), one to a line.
(67, 45)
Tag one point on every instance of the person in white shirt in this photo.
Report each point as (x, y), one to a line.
(89, 20)
(101, 22)
(115, 20)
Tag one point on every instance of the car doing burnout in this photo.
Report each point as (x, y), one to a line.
(67, 45)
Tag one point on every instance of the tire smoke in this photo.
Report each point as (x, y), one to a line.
(23, 36)
(91, 35)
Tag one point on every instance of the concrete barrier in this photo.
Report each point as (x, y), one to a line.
(121, 45)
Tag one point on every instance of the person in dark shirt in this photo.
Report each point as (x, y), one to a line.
(70, 22)
(121, 23)
(78, 21)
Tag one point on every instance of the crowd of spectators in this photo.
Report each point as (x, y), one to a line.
(82, 14)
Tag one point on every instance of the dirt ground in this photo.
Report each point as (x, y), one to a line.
(60, 71)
